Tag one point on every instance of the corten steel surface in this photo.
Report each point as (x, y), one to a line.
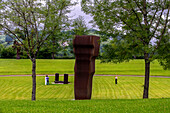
(86, 49)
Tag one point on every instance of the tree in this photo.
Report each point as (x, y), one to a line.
(136, 26)
(79, 26)
(31, 22)
(55, 43)
(1, 49)
(16, 46)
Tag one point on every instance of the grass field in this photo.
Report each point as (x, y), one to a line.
(86, 106)
(125, 97)
(49, 66)
(107, 97)
(19, 88)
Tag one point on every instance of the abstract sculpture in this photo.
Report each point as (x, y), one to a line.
(61, 82)
(86, 49)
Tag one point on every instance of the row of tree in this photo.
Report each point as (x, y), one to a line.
(133, 28)
(58, 46)
(6, 52)
(44, 53)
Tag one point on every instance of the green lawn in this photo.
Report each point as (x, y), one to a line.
(86, 106)
(125, 97)
(107, 97)
(19, 88)
(49, 66)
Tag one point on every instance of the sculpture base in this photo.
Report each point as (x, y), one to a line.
(60, 82)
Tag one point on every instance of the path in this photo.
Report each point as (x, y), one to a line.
(95, 75)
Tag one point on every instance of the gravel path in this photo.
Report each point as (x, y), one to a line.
(95, 75)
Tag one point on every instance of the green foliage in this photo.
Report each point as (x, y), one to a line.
(44, 53)
(7, 52)
(31, 22)
(49, 66)
(132, 25)
(34, 21)
(1, 48)
(79, 26)
(60, 44)
(119, 50)
(164, 53)
(23, 55)
(86, 106)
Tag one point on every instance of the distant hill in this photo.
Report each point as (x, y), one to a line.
(2, 39)
(5, 40)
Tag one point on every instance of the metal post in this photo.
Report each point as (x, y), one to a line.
(56, 77)
(65, 78)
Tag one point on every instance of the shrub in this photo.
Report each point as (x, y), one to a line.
(8, 53)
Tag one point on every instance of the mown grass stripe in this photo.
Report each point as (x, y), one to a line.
(103, 88)
(158, 90)
(111, 87)
(134, 90)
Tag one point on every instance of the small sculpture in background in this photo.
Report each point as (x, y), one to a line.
(61, 82)
(46, 80)
(116, 79)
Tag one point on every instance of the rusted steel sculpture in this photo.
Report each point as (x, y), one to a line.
(86, 49)
(61, 82)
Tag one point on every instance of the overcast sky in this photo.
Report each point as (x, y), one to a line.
(76, 11)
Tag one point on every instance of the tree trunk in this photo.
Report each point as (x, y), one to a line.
(147, 72)
(52, 55)
(53, 48)
(34, 79)
(18, 53)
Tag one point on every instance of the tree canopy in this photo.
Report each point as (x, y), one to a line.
(31, 22)
(135, 27)
(79, 26)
